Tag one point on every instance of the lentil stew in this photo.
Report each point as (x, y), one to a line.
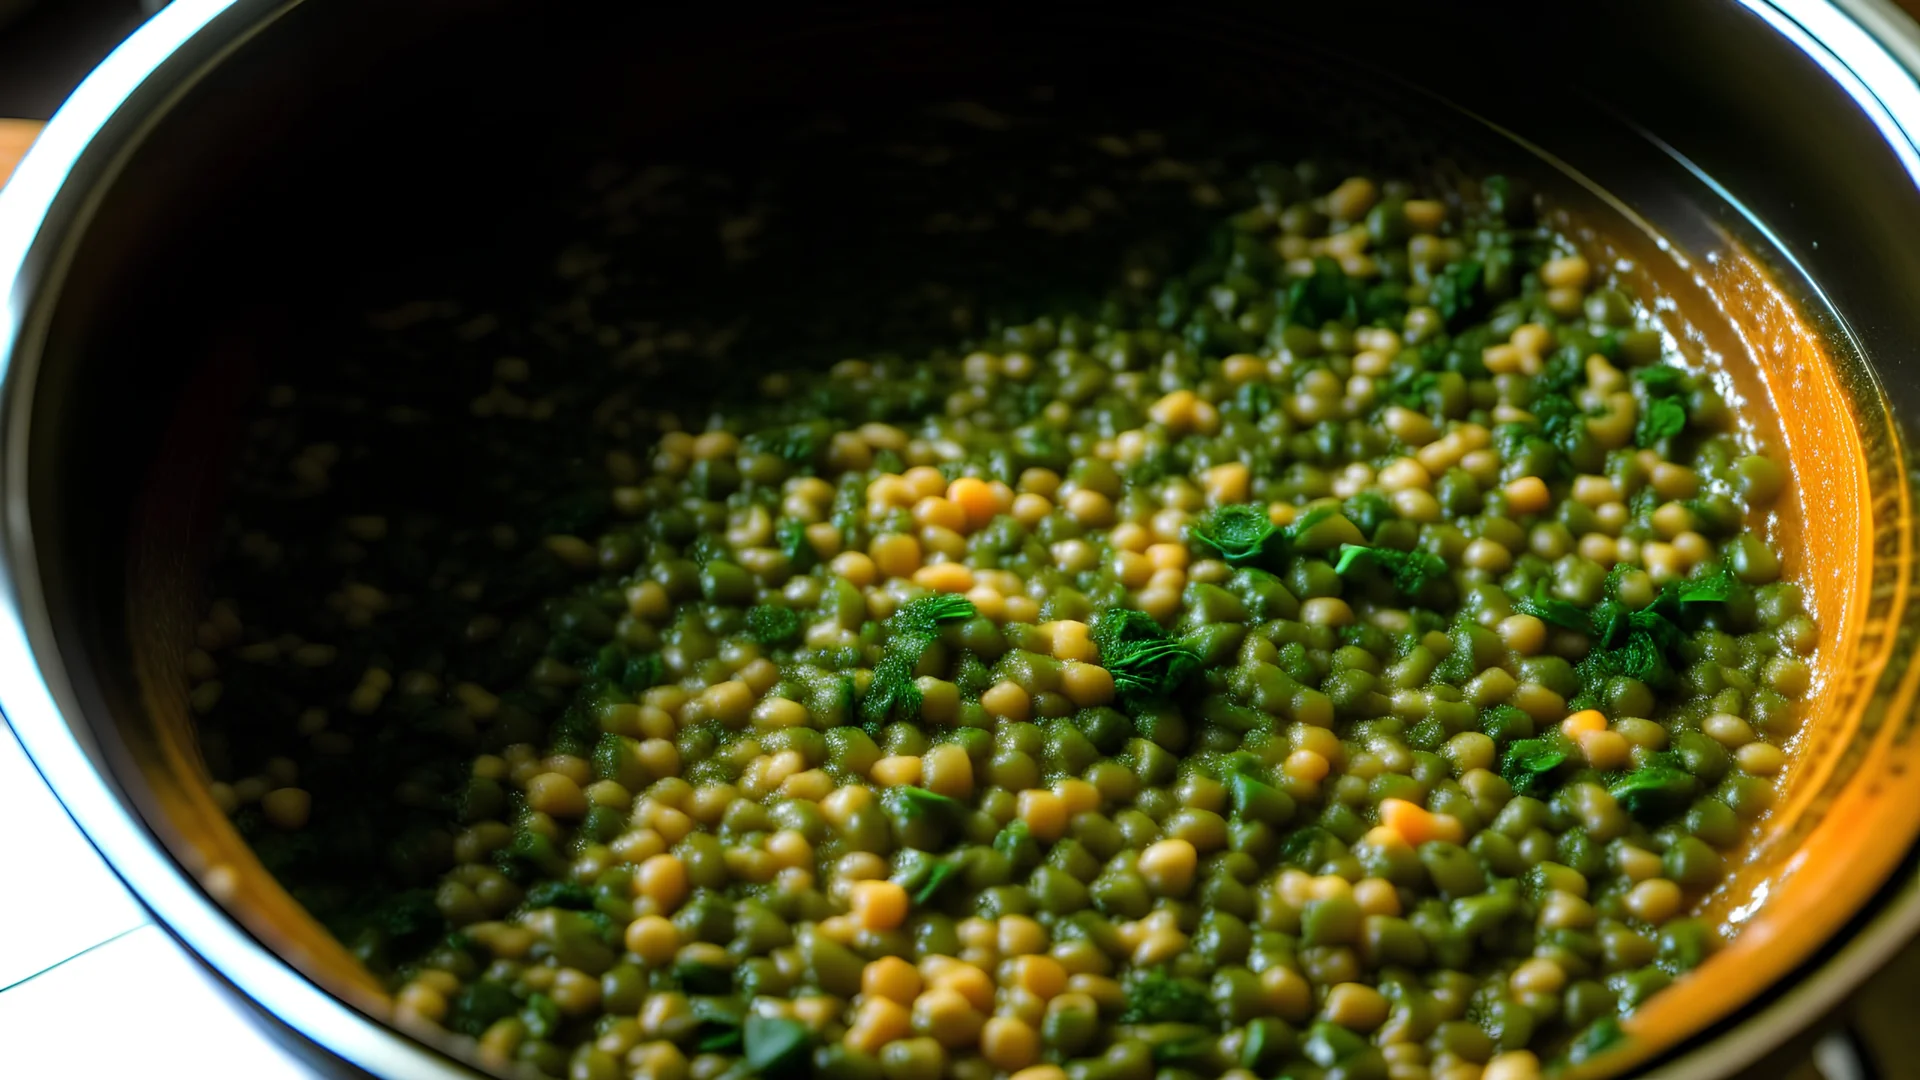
(1249, 620)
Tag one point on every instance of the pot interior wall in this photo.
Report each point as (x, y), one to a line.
(325, 169)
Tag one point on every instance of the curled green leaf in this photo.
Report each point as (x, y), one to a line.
(1654, 792)
(1530, 764)
(1662, 418)
(1145, 663)
(1240, 533)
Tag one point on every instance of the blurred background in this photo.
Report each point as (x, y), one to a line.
(100, 955)
(47, 46)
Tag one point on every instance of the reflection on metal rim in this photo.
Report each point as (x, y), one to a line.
(1867, 49)
(1883, 88)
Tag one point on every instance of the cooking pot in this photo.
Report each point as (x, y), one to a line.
(240, 166)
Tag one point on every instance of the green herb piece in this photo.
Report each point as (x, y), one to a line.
(776, 1046)
(923, 616)
(1409, 388)
(1308, 847)
(1384, 304)
(1560, 613)
(972, 676)
(911, 631)
(1642, 656)
(1007, 840)
(1501, 722)
(1662, 380)
(1559, 420)
(1664, 412)
(1240, 533)
(718, 1027)
(1654, 622)
(541, 1015)
(1412, 571)
(773, 624)
(1145, 663)
(479, 1004)
(924, 876)
(1157, 997)
(1458, 291)
(940, 872)
(796, 445)
(1322, 297)
(1328, 1044)
(1256, 800)
(892, 692)
(1016, 842)
(1529, 764)
(1428, 735)
(1600, 1036)
(719, 1040)
(1643, 644)
(790, 535)
(1516, 440)
(1368, 510)
(1307, 521)
(1653, 793)
(1717, 586)
(1255, 399)
(698, 978)
(642, 672)
(1561, 372)
(409, 917)
(560, 894)
(917, 802)
(1507, 200)
(1663, 418)
(1457, 667)
(1609, 621)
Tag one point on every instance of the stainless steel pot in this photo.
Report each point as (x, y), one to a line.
(238, 159)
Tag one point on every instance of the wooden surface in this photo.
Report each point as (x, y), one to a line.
(15, 137)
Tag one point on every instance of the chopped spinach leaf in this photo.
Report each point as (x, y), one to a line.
(776, 1046)
(1411, 571)
(773, 624)
(1530, 764)
(1654, 792)
(1157, 996)
(1241, 534)
(1145, 663)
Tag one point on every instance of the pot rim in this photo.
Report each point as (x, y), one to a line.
(49, 200)
(1869, 48)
